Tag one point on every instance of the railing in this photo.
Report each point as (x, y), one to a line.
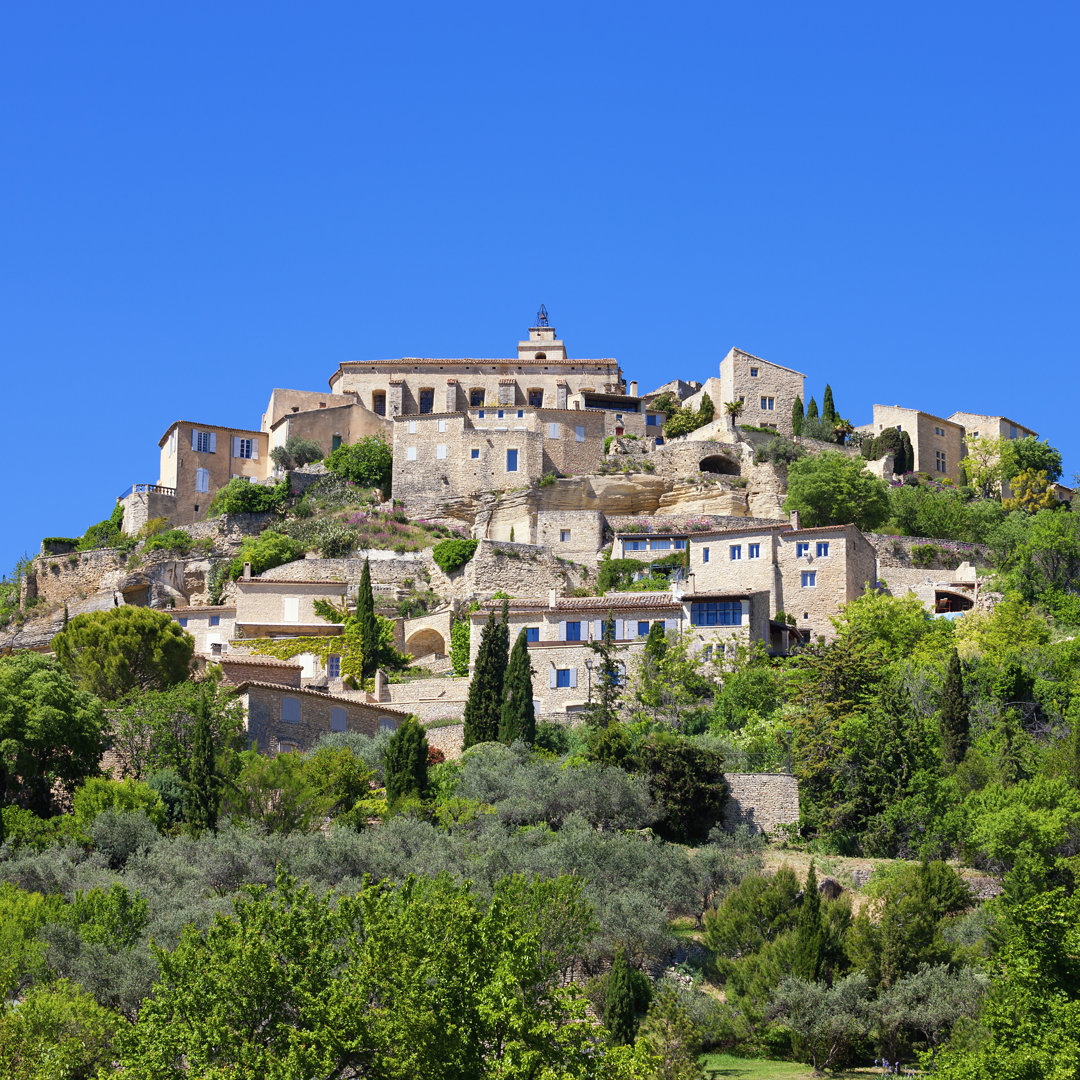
(146, 489)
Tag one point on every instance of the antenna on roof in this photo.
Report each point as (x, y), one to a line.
(542, 316)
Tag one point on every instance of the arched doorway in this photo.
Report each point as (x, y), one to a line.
(425, 643)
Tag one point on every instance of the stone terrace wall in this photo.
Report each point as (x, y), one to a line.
(761, 800)
(387, 568)
(64, 579)
(522, 570)
(896, 551)
(449, 739)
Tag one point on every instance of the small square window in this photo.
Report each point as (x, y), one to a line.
(564, 535)
(521, 414)
(736, 552)
(806, 614)
(215, 620)
(500, 414)
(823, 549)
(573, 631)
(704, 554)
(182, 622)
(532, 633)
(643, 628)
(707, 653)
(562, 677)
(802, 550)
(754, 551)
(753, 373)
(474, 453)
(650, 420)
(809, 579)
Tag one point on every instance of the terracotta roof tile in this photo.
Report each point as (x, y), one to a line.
(322, 695)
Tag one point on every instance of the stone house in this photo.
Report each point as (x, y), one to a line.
(238, 668)
(996, 427)
(440, 455)
(266, 607)
(199, 459)
(326, 418)
(938, 443)
(807, 573)
(211, 627)
(284, 718)
(767, 390)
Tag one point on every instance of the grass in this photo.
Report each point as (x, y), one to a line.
(729, 1067)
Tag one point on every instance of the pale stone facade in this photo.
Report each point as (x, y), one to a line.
(330, 426)
(938, 443)
(211, 627)
(767, 390)
(267, 607)
(977, 425)
(283, 718)
(761, 801)
(808, 573)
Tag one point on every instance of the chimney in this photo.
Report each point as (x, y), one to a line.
(796, 522)
(633, 388)
(247, 571)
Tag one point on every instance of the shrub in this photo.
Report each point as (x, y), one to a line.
(368, 462)
(268, 550)
(297, 451)
(240, 496)
(778, 451)
(924, 555)
(451, 555)
(177, 541)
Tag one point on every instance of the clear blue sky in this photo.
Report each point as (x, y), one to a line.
(200, 202)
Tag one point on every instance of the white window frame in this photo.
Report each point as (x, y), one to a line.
(809, 579)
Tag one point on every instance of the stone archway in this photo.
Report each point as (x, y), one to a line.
(948, 601)
(425, 642)
(719, 464)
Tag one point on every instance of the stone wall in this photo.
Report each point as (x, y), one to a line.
(517, 569)
(761, 800)
(66, 579)
(143, 506)
(449, 738)
(896, 551)
(571, 534)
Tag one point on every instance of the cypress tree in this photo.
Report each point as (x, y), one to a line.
(955, 723)
(706, 409)
(809, 934)
(204, 785)
(518, 720)
(797, 415)
(828, 409)
(908, 464)
(406, 763)
(811, 410)
(625, 996)
(483, 707)
(369, 624)
(656, 642)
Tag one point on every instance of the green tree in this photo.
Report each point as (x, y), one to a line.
(606, 681)
(797, 415)
(406, 763)
(264, 552)
(1030, 455)
(52, 734)
(828, 409)
(671, 1035)
(109, 653)
(483, 706)
(811, 410)
(626, 996)
(955, 724)
(734, 409)
(809, 935)
(833, 489)
(687, 779)
(518, 717)
(367, 462)
(827, 1019)
(1031, 492)
(367, 622)
(204, 782)
(241, 496)
(460, 631)
(984, 464)
(706, 409)
(127, 796)
(907, 460)
(296, 453)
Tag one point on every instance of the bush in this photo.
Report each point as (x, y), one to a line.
(177, 541)
(240, 496)
(778, 451)
(832, 489)
(451, 555)
(368, 462)
(297, 451)
(268, 550)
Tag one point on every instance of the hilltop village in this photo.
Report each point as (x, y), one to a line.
(551, 468)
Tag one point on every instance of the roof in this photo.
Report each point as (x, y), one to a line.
(988, 416)
(762, 360)
(350, 404)
(458, 361)
(209, 427)
(921, 412)
(322, 695)
(613, 601)
(781, 527)
(722, 594)
(288, 581)
(258, 661)
(205, 609)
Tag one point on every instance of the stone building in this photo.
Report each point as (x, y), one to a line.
(976, 425)
(807, 573)
(266, 607)
(211, 627)
(440, 455)
(938, 443)
(199, 459)
(284, 718)
(767, 390)
(326, 418)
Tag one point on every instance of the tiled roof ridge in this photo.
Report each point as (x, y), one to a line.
(260, 661)
(324, 694)
(481, 360)
(771, 363)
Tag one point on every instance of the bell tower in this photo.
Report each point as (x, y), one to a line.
(542, 344)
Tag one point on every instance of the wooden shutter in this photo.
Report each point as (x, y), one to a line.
(254, 449)
(213, 443)
(194, 439)
(671, 624)
(620, 625)
(598, 629)
(573, 677)
(553, 676)
(562, 630)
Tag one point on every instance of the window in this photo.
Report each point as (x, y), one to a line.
(333, 668)
(806, 614)
(337, 719)
(635, 545)
(287, 746)
(480, 415)
(767, 404)
(532, 633)
(579, 433)
(1012, 431)
(706, 653)
(939, 431)
(500, 414)
(564, 535)
(215, 620)
(291, 606)
(335, 442)
(753, 373)
(442, 425)
(182, 622)
(474, 453)
(823, 549)
(216, 648)
(521, 414)
(643, 628)
(511, 460)
(736, 552)
(476, 397)
(716, 613)
(809, 579)
(553, 431)
(802, 550)
(573, 631)
(650, 420)
(659, 440)
(243, 448)
(410, 453)
(536, 398)
(562, 677)
(204, 442)
(660, 545)
(290, 710)
(939, 461)
(387, 723)
(427, 400)
(202, 479)
(412, 427)
(440, 452)
(753, 551)
(704, 554)
(378, 402)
